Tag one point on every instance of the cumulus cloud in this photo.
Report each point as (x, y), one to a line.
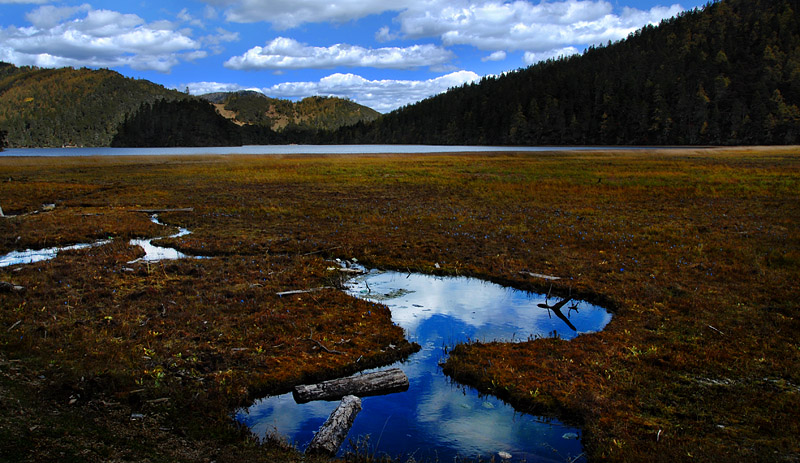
(284, 53)
(286, 14)
(201, 88)
(523, 25)
(533, 58)
(381, 95)
(496, 56)
(101, 38)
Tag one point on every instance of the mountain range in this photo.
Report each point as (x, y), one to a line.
(84, 107)
(725, 74)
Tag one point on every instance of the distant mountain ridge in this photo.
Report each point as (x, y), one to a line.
(41, 107)
(313, 113)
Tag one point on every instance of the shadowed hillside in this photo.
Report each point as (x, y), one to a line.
(69, 107)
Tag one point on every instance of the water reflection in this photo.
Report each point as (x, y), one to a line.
(31, 256)
(153, 253)
(435, 418)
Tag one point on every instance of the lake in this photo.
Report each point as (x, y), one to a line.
(284, 150)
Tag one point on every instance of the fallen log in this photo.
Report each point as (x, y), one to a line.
(302, 291)
(377, 383)
(333, 432)
(539, 275)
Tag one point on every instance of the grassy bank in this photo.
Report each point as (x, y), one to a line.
(697, 252)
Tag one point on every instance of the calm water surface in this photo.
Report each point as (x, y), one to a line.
(436, 418)
(278, 150)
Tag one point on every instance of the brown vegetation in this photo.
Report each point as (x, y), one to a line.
(697, 252)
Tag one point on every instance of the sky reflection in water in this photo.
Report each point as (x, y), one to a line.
(435, 418)
(152, 253)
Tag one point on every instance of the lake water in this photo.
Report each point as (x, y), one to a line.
(281, 150)
(437, 419)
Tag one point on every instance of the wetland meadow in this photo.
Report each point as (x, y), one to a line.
(695, 252)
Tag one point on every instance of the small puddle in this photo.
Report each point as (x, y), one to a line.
(437, 419)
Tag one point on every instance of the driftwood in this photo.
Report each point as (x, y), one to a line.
(333, 432)
(9, 287)
(539, 275)
(302, 291)
(351, 271)
(556, 308)
(378, 383)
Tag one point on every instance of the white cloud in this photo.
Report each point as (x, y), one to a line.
(384, 35)
(522, 25)
(201, 88)
(49, 16)
(285, 53)
(286, 14)
(533, 58)
(381, 95)
(101, 38)
(496, 56)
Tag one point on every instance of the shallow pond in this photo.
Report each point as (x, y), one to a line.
(437, 419)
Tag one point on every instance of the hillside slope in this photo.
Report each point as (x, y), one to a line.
(727, 74)
(313, 113)
(69, 107)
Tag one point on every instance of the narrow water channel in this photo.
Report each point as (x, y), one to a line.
(437, 419)
(152, 253)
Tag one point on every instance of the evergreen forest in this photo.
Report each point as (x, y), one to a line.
(726, 74)
(69, 107)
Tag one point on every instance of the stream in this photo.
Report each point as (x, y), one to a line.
(152, 253)
(437, 419)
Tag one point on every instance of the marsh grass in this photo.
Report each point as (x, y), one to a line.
(695, 251)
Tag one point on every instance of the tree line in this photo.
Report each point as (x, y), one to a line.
(725, 74)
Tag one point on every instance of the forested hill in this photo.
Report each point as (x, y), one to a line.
(313, 113)
(80, 107)
(725, 74)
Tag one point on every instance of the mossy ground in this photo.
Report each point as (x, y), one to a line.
(697, 252)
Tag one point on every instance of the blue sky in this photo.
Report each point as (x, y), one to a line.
(383, 54)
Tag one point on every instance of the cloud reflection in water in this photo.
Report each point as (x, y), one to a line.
(435, 418)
